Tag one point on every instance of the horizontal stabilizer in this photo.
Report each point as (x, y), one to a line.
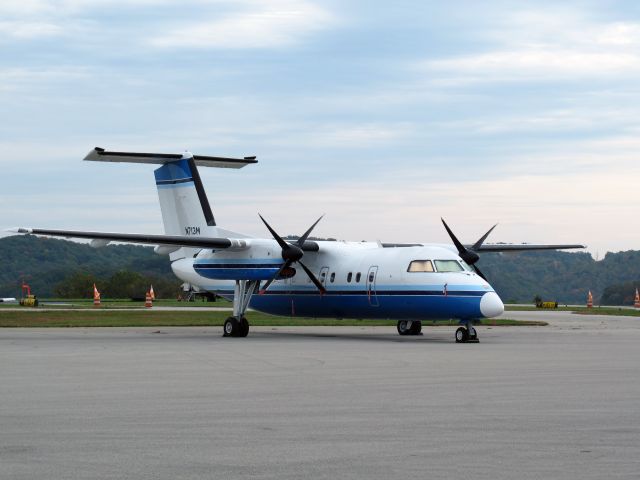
(101, 155)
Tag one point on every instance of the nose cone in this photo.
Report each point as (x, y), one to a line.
(491, 305)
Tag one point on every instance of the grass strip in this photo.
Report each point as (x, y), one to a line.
(151, 318)
(625, 312)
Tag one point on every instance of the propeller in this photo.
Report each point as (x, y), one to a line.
(292, 253)
(468, 254)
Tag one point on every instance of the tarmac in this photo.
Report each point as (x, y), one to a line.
(561, 401)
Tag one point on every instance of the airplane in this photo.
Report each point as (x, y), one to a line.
(410, 283)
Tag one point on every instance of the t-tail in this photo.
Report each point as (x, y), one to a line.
(183, 201)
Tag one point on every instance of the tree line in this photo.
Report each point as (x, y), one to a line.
(122, 284)
(50, 264)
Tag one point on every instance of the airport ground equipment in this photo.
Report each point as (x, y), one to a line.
(409, 283)
(547, 305)
(28, 299)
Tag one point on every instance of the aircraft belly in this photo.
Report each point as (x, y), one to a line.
(415, 307)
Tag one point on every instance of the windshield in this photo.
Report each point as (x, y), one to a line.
(448, 266)
(466, 266)
(420, 266)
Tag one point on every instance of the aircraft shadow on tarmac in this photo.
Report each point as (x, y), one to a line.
(363, 337)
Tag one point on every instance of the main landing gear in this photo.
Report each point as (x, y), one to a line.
(467, 334)
(409, 327)
(238, 326)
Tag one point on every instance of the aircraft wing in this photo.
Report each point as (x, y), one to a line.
(170, 240)
(497, 247)
(143, 238)
(520, 247)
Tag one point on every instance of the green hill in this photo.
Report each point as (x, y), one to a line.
(44, 262)
(562, 276)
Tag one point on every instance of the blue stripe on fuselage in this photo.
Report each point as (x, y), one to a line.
(238, 269)
(391, 304)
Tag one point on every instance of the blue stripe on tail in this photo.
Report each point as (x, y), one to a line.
(173, 172)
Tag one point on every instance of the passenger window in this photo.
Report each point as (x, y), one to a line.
(371, 277)
(358, 277)
(349, 277)
(420, 266)
(333, 277)
(448, 266)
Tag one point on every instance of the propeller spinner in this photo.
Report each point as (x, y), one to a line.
(292, 253)
(468, 254)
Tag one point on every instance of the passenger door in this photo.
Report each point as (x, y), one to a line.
(324, 272)
(371, 286)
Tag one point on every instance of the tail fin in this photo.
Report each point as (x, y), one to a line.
(183, 202)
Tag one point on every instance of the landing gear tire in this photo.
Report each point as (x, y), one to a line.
(407, 327)
(231, 327)
(403, 327)
(244, 327)
(416, 328)
(236, 328)
(467, 335)
(462, 335)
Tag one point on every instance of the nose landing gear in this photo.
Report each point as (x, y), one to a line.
(467, 334)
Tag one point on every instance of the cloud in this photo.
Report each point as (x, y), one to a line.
(556, 44)
(25, 7)
(539, 62)
(28, 30)
(267, 24)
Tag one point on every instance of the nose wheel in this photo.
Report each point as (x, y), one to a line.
(467, 334)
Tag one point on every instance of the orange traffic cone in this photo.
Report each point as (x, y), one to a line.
(148, 302)
(96, 296)
(153, 295)
(636, 303)
(589, 300)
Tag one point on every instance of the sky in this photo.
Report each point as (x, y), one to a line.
(385, 116)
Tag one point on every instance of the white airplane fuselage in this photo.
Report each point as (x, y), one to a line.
(362, 280)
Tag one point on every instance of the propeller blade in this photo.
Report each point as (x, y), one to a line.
(284, 245)
(303, 238)
(480, 273)
(479, 243)
(270, 281)
(456, 242)
(313, 278)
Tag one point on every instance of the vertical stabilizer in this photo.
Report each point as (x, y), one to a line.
(183, 201)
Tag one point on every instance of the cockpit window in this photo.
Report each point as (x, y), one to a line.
(448, 266)
(466, 266)
(420, 266)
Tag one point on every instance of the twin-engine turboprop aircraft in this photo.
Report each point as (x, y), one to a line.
(409, 283)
